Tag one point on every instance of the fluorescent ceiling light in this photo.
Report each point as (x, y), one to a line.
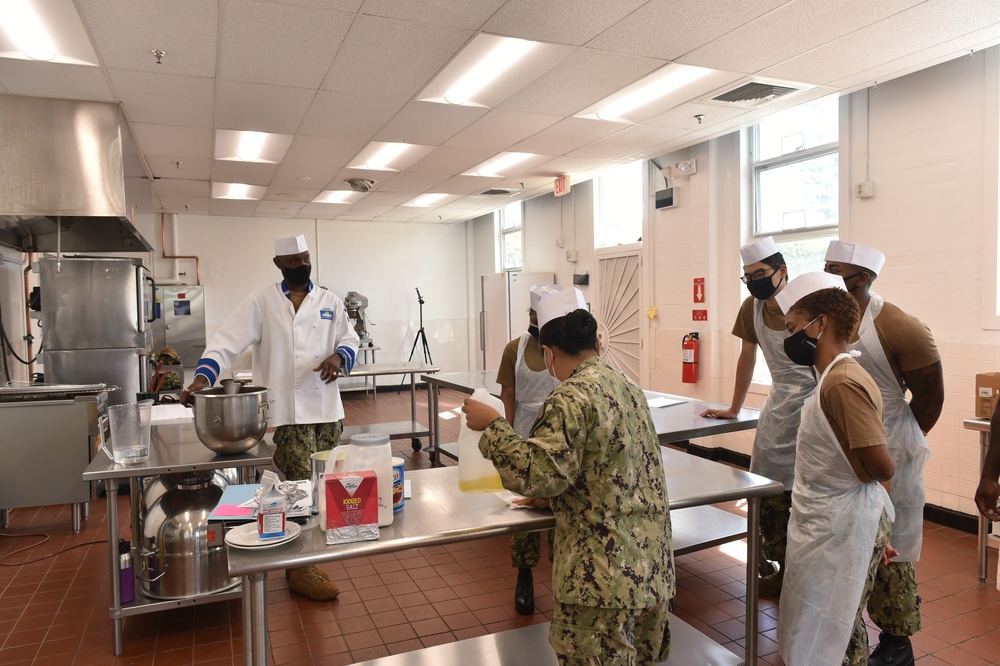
(386, 156)
(427, 200)
(490, 69)
(258, 147)
(338, 197)
(239, 191)
(44, 30)
(496, 166)
(665, 88)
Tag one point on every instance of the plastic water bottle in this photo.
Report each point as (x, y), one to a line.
(127, 571)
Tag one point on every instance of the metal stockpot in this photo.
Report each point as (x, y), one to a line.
(182, 554)
(230, 423)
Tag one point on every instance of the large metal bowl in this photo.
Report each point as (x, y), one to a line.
(230, 424)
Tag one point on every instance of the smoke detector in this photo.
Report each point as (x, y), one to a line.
(360, 184)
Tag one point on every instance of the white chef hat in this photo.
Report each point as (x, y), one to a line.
(759, 250)
(289, 244)
(559, 304)
(540, 291)
(856, 254)
(806, 284)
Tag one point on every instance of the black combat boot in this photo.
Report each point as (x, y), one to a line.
(524, 593)
(892, 651)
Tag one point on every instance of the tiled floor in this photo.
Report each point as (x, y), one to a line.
(55, 611)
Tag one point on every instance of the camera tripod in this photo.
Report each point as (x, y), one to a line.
(421, 336)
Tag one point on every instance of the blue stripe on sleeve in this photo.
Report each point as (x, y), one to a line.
(349, 355)
(209, 369)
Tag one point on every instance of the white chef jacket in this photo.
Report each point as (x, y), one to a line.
(287, 347)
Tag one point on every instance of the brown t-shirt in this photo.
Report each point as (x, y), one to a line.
(852, 404)
(532, 358)
(744, 328)
(906, 341)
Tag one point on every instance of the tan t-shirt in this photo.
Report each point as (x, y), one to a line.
(532, 358)
(907, 342)
(744, 328)
(852, 404)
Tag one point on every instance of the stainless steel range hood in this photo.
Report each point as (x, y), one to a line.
(69, 177)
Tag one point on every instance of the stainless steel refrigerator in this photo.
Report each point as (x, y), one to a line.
(506, 301)
(96, 317)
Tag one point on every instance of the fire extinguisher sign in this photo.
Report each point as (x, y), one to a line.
(699, 290)
(699, 315)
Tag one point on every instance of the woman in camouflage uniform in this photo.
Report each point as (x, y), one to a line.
(594, 454)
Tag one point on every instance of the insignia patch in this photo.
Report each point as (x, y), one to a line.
(326, 313)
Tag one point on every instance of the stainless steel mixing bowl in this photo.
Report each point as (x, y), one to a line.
(230, 424)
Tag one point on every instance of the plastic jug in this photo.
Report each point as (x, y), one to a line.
(476, 474)
(365, 451)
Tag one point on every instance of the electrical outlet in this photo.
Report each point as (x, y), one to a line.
(864, 189)
(571, 255)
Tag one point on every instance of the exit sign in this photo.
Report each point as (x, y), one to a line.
(562, 185)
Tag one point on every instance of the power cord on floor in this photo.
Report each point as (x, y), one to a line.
(45, 537)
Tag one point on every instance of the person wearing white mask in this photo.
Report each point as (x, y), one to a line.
(525, 383)
(760, 323)
(840, 523)
(302, 342)
(899, 352)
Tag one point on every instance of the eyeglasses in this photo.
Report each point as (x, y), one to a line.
(757, 275)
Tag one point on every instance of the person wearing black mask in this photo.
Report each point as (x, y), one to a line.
(761, 323)
(302, 342)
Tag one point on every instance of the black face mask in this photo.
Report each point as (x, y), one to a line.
(533, 331)
(800, 348)
(298, 276)
(763, 288)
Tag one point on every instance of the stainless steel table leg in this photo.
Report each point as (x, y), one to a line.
(984, 525)
(255, 619)
(434, 421)
(753, 557)
(4, 518)
(74, 517)
(85, 510)
(111, 487)
(413, 396)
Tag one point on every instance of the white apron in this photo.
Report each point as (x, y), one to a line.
(907, 444)
(530, 390)
(774, 443)
(831, 535)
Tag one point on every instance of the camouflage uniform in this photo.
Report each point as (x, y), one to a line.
(774, 512)
(526, 549)
(594, 453)
(295, 443)
(895, 603)
(857, 647)
(605, 635)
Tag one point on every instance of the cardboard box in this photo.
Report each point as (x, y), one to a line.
(987, 391)
(351, 507)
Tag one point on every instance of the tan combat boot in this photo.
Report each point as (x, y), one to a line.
(309, 582)
(322, 574)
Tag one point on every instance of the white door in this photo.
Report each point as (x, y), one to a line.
(494, 321)
(617, 307)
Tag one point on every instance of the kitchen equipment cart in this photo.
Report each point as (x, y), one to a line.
(173, 448)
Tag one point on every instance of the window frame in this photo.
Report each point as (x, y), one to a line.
(598, 195)
(500, 216)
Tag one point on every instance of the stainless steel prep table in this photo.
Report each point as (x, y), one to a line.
(982, 426)
(440, 513)
(173, 448)
(397, 429)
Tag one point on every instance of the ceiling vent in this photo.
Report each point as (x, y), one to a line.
(753, 94)
(501, 192)
(360, 184)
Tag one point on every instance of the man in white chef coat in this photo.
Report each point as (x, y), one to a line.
(900, 354)
(302, 341)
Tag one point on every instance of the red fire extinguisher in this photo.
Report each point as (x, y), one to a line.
(689, 356)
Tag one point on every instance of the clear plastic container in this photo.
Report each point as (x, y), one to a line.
(130, 426)
(367, 451)
(476, 474)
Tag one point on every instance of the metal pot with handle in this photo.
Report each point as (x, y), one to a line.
(230, 423)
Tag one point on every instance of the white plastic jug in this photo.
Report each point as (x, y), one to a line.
(365, 451)
(476, 474)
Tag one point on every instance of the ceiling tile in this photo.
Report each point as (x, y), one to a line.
(451, 160)
(580, 80)
(381, 178)
(465, 184)
(350, 6)
(165, 99)
(124, 33)
(235, 207)
(400, 214)
(189, 169)
(240, 105)
(251, 173)
(500, 128)
(428, 123)
(286, 45)
(49, 79)
(409, 182)
(321, 211)
(180, 189)
(186, 205)
(299, 195)
(469, 14)
(627, 141)
(670, 28)
(300, 176)
(567, 135)
(381, 198)
(172, 140)
(683, 116)
(343, 115)
(560, 21)
(381, 55)
(322, 151)
(281, 209)
(570, 165)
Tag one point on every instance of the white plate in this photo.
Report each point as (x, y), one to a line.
(246, 536)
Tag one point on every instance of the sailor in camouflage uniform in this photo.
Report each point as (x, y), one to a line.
(593, 452)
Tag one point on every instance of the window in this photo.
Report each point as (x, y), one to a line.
(618, 205)
(509, 220)
(796, 187)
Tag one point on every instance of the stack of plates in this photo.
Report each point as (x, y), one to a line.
(246, 536)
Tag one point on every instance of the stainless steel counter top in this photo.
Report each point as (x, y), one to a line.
(466, 382)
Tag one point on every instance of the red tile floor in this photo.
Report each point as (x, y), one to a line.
(55, 610)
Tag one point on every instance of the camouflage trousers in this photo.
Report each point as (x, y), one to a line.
(526, 549)
(587, 636)
(295, 443)
(774, 512)
(895, 603)
(857, 647)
